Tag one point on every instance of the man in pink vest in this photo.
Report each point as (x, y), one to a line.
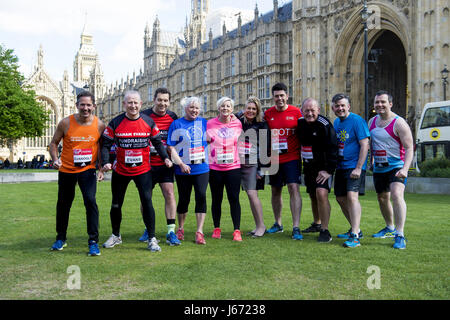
(391, 155)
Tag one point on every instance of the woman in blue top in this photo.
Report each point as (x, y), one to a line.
(188, 146)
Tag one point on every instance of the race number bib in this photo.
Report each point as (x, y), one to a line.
(225, 156)
(244, 148)
(307, 153)
(82, 157)
(281, 145)
(341, 149)
(133, 158)
(380, 158)
(197, 154)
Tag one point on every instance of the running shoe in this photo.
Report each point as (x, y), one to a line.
(153, 245)
(58, 245)
(172, 240)
(216, 233)
(314, 227)
(200, 238)
(112, 241)
(296, 235)
(144, 236)
(385, 233)
(275, 228)
(324, 236)
(346, 235)
(237, 235)
(400, 242)
(352, 242)
(93, 249)
(180, 234)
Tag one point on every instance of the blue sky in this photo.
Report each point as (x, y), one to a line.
(117, 27)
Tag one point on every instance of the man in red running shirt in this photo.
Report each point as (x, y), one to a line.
(161, 174)
(282, 121)
(132, 133)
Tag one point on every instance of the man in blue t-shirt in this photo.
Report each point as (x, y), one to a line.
(353, 142)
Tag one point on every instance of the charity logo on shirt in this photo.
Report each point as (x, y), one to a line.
(342, 136)
(225, 132)
(195, 133)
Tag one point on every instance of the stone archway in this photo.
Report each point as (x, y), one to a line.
(349, 54)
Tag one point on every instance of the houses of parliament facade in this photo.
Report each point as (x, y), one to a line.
(316, 47)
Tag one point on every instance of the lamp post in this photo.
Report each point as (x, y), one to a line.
(444, 74)
(364, 17)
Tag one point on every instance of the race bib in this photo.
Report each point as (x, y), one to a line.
(307, 153)
(281, 145)
(197, 154)
(82, 157)
(225, 156)
(380, 158)
(133, 158)
(244, 147)
(341, 149)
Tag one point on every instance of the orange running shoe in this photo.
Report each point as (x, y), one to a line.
(237, 235)
(180, 234)
(216, 233)
(199, 238)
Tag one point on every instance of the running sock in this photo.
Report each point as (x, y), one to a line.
(170, 225)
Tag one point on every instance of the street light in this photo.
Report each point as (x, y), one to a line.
(364, 17)
(444, 74)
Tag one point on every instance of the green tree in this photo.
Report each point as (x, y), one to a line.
(20, 114)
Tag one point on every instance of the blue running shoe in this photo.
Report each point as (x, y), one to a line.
(385, 233)
(352, 242)
(346, 235)
(400, 242)
(172, 240)
(275, 228)
(144, 236)
(58, 245)
(93, 249)
(296, 235)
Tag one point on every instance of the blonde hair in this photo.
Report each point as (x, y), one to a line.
(257, 102)
(222, 100)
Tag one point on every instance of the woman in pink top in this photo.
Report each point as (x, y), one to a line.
(224, 164)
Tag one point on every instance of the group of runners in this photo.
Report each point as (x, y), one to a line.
(233, 151)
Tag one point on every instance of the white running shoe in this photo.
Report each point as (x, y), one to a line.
(112, 241)
(153, 245)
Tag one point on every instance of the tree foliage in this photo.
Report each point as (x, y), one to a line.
(20, 114)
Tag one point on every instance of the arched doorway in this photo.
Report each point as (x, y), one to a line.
(388, 71)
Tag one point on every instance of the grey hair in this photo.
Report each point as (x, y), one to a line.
(187, 101)
(222, 100)
(131, 93)
(312, 100)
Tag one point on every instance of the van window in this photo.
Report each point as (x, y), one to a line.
(436, 117)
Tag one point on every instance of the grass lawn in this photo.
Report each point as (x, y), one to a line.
(273, 267)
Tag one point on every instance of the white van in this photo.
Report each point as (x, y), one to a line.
(433, 134)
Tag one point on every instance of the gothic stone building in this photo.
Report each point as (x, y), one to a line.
(316, 47)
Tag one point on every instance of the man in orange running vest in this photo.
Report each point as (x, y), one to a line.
(80, 134)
